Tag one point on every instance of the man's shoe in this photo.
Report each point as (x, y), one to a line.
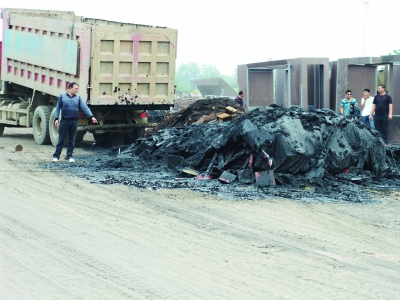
(71, 160)
(55, 159)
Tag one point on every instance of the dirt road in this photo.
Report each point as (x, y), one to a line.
(62, 237)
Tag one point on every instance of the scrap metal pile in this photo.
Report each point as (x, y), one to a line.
(271, 145)
(202, 111)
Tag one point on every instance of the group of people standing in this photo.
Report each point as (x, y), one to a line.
(376, 111)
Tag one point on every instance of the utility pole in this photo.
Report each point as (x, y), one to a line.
(365, 27)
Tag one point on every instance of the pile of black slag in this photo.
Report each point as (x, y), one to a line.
(288, 152)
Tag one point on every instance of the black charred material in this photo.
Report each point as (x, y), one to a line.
(306, 143)
(314, 155)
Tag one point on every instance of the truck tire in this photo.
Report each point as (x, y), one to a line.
(100, 139)
(79, 138)
(41, 118)
(107, 139)
(1, 129)
(139, 133)
(117, 139)
(53, 129)
(132, 136)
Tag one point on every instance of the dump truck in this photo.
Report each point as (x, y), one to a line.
(123, 71)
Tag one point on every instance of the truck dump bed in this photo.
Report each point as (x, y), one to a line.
(214, 86)
(114, 63)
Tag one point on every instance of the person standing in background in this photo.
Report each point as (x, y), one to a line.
(366, 106)
(383, 109)
(239, 99)
(348, 104)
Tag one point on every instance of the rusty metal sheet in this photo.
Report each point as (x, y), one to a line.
(261, 87)
(394, 129)
(302, 82)
(396, 90)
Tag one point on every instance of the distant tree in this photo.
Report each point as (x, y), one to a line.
(209, 71)
(185, 74)
(395, 52)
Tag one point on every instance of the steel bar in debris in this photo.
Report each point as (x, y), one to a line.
(206, 175)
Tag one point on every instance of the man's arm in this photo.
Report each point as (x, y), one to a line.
(86, 110)
(390, 107)
(363, 101)
(58, 108)
(341, 110)
(57, 112)
(372, 111)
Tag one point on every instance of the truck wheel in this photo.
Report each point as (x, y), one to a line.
(1, 129)
(117, 139)
(132, 136)
(100, 139)
(53, 129)
(139, 133)
(79, 138)
(40, 122)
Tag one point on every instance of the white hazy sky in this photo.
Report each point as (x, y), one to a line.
(228, 33)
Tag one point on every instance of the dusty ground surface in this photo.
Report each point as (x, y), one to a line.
(62, 237)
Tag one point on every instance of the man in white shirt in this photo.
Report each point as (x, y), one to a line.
(366, 105)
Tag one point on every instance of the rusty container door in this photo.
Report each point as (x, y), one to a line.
(261, 88)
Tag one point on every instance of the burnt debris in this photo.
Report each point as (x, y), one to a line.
(311, 155)
(306, 155)
(305, 143)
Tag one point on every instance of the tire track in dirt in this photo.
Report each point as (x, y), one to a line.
(34, 189)
(385, 267)
(200, 246)
(61, 257)
(162, 245)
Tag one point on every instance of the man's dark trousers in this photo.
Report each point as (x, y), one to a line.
(382, 125)
(67, 128)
